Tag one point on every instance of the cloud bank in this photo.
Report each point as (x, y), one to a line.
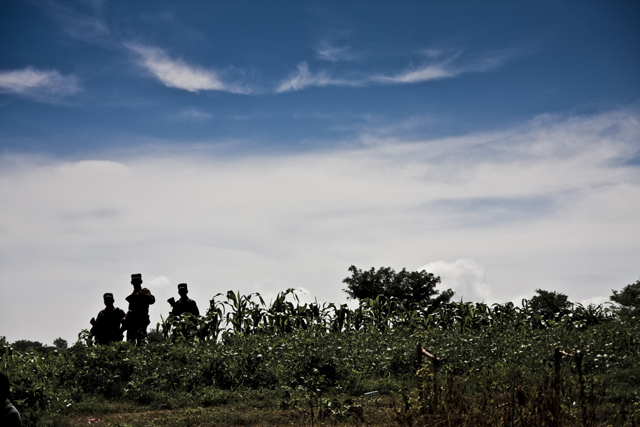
(549, 205)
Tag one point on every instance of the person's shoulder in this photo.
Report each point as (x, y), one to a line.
(11, 416)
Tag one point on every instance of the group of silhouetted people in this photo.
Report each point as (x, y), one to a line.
(110, 324)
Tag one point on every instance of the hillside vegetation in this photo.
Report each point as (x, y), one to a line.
(289, 363)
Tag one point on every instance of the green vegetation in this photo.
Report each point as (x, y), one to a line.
(550, 305)
(286, 363)
(60, 343)
(37, 346)
(407, 287)
(628, 300)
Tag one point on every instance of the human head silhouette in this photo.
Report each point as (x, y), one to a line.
(108, 299)
(4, 387)
(136, 281)
(182, 289)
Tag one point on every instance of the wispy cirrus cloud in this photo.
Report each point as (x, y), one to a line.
(437, 68)
(304, 78)
(327, 52)
(452, 65)
(193, 115)
(423, 74)
(38, 84)
(86, 25)
(178, 74)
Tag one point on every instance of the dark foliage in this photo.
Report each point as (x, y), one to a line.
(26, 345)
(550, 305)
(408, 287)
(60, 343)
(155, 335)
(628, 299)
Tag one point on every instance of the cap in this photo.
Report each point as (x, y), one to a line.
(136, 276)
(108, 295)
(182, 286)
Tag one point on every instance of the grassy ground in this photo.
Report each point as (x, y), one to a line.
(378, 411)
(393, 409)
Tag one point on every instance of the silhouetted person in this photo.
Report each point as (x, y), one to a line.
(107, 327)
(137, 317)
(184, 304)
(10, 416)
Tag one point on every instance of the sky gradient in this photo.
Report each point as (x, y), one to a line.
(260, 146)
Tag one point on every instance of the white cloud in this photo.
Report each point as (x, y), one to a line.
(327, 52)
(304, 78)
(38, 84)
(159, 282)
(177, 74)
(451, 66)
(464, 276)
(443, 68)
(86, 25)
(594, 300)
(267, 223)
(429, 72)
(434, 53)
(193, 115)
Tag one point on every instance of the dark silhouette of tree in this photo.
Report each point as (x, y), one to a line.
(26, 345)
(551, 305)
(60, 343)
(408, 287)
(628, 299)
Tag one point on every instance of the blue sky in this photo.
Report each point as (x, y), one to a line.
(265, 145)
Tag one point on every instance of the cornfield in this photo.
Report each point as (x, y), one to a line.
(496, 365)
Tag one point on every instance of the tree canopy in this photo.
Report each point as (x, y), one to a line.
(60, 343)
(628, 299)
(408, 287)
(26, 345)
(551, 305)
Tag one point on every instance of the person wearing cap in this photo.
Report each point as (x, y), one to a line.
(184, 304)
(137, 317)
(10, 417)
(107, 327)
